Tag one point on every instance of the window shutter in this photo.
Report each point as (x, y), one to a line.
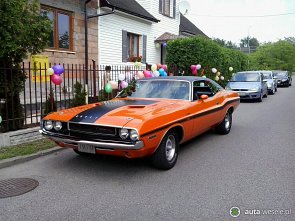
(160, 6)
(174, 8)
(124, 46)
(144, 38)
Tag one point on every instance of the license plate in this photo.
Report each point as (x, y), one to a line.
(86, 148)
(242, 93)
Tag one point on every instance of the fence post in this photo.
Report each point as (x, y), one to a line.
(94, 81)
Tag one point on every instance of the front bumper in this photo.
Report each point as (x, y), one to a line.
(247, 95)
(99, 145)
(283, 83)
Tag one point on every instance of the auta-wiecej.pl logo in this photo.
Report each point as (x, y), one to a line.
(235, 211)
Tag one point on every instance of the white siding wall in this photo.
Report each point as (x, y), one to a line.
(111, 26)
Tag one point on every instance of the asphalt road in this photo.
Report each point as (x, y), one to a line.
(252, 168)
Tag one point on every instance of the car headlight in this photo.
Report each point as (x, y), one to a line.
(48, 124)
(124, 133)
(227, 88)
(134, 135)
(255, 89)
(57, 125)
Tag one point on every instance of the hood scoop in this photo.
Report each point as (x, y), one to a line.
(136, 106)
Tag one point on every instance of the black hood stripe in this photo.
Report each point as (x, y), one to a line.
(92, 114)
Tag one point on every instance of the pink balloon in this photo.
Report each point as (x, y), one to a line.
(56, 79)
(193, 67)
(195, 72)
(164, 66)
(147, 74)
(124, 84)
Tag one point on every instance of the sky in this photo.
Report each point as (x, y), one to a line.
(225, 19)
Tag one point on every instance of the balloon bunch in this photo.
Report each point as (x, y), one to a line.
(55, 74)
(218, 74)
(195, 68)
(159, 70)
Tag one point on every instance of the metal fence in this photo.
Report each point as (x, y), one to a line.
(39, 92)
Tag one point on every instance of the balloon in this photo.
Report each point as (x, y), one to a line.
(50, 71)
(159, 66)
(114, 84)
(195, 72)
(158, 45)
(164, 66)
(124, 84)
(161, 71)
(147, 74)
(164, 44)
(108, 88)
(58, 69)
(218, 73)
(230, 69)
(216, 78)
(137, 64)
(221, 78)
(193, 67)
(140, 75)
(156, 73)
(204, 76)
(165, 74)
(154, 67)
(121, 77)
(56, 79)
(214, 70)
(198, 66)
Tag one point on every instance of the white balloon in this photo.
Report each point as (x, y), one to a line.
(221, 78)
(121, 77)
(198, 66)
(156, 73)
(214, 70)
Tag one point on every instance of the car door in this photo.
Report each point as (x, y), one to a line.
(206, 112)
(264, 85)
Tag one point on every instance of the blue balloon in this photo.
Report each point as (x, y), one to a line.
(58, 69)
(165, 74)
(161, 71)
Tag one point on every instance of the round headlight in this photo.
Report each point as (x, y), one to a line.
(48, 125)
(124, 133)
(57, 125)
(134, 135)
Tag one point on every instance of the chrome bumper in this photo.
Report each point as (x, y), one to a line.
(98, 145)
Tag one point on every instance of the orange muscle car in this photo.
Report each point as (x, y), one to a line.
(158, 116)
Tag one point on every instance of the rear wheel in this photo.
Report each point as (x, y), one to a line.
(225, 126)
(166, 155)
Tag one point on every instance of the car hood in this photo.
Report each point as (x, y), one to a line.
(243, 85)
(117, 112)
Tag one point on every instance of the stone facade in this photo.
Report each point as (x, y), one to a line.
(77, 55)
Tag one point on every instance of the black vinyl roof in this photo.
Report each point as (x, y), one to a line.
(188, 27)
(131, 7)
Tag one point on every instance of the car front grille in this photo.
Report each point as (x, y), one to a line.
(240, 89)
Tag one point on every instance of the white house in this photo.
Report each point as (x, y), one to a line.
(138, 28)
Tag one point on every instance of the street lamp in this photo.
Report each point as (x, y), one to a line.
(249, 39)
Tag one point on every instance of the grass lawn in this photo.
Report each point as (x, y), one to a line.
(26, 148)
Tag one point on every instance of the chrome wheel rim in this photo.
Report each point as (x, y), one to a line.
(170, 147)
(227, 121)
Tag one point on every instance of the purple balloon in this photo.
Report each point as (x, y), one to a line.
(164, 44)
(58, 69)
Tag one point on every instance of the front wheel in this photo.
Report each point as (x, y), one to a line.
(166, 155)
(225, 126)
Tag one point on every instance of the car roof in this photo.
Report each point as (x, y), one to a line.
(249, 72)
(180, 78)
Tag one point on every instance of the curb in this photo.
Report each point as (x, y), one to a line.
(22, 159)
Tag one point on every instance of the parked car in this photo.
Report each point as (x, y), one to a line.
(284, 78)
(150, 122)
(249, 85)
(272, 85)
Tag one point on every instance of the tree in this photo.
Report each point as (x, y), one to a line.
(245, 42)
(274, 56)
(224, 43)
(23, 30)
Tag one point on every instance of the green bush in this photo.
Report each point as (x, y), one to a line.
(182, 53)
(79, 95)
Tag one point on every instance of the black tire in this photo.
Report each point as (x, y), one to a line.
(276, 89)
(166, 155)
(266, 94)
(225, 126)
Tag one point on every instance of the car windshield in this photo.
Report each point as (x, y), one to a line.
(169, 89)
(281, 74)
(245, 77)
(267, 76)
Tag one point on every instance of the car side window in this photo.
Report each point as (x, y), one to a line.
(204, 87)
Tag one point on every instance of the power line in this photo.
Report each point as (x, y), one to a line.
(244, 16)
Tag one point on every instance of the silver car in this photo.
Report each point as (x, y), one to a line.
(272, 85)
(250, 85)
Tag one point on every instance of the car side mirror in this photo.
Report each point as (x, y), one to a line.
(264, 81)
(275, 77)
(204, 96)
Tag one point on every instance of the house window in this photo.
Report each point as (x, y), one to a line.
(133, 46)
(167, 7)
(61, 34)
